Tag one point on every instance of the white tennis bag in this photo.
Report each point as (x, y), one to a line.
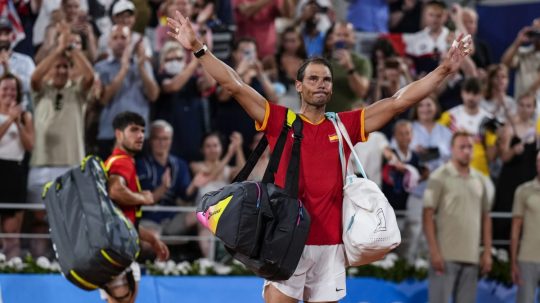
(370, 227)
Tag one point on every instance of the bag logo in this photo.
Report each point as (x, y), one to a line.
(381, 225)
(210, 218)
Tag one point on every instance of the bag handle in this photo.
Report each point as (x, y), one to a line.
(340, 128)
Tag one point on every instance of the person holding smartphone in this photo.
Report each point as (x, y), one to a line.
(351, 71)
(523, 55)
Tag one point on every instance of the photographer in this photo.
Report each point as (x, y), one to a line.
(351, 71)
(524, 56)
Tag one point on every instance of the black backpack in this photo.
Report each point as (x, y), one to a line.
(93, 240)
(262, 225)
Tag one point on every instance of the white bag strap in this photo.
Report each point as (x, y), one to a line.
(332, 117)
(356, 159)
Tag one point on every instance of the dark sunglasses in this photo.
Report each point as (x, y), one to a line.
(58, 103)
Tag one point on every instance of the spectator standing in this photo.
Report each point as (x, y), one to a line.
(470, 117)
(401, 166)
(214, 172)
(456, 218)
(78, 21)
(427, 46)
(124, 190)
(517, 148)
(183, 86)
(16, 138)
(523, 55)
(391, 77)
(482, 51)
(185, 7)
(524, 258)
(308, 21)
(405, 16)
(229, 115)
(59, 117)
(18, 64)
(351, 71)
(128, 84)
(45, 16)
(289, 57)
(431, 142)
(500, 105)
(123, 14)
(256, 19)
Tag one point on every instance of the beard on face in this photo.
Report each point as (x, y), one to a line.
(131, 149)
(317, 102)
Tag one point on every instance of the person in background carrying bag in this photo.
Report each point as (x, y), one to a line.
(320, 274)
(125, 191)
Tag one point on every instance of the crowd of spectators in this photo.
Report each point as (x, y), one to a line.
(84, 61)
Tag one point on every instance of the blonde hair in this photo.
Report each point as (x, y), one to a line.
(168, 47)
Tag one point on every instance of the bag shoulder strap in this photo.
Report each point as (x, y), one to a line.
(340, 128)
(275, 157)
(293, 171)
(111, 160)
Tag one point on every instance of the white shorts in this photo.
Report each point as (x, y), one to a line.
(121, 279)
(319, 276)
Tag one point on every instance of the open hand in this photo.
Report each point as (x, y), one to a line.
(461, 48)
(166, 178)
(181, 30)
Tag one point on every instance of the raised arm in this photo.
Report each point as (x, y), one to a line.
(381, 112)
(80, 61)
(252, 102)
(521, 38)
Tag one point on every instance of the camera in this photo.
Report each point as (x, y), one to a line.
(249, 55)
(533, 34)
(340, 45)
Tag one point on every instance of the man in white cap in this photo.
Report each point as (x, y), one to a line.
(123, 13)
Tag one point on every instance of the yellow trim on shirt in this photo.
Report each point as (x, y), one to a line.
(363, 135)
(262, 127)
(306, 120)
(538, 127)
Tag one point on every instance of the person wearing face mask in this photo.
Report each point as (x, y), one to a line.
(183, 86)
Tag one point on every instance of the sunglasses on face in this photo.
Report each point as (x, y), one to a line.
(58, 103)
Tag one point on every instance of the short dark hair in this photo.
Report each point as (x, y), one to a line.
(241, 40)
(472, 85)
(459, 133)
(436, 3)
(9, 76)
(124, 119)
(314, 60)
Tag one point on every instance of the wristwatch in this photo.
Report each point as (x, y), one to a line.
(199, 53)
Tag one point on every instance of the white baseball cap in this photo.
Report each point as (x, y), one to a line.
(122, 6)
